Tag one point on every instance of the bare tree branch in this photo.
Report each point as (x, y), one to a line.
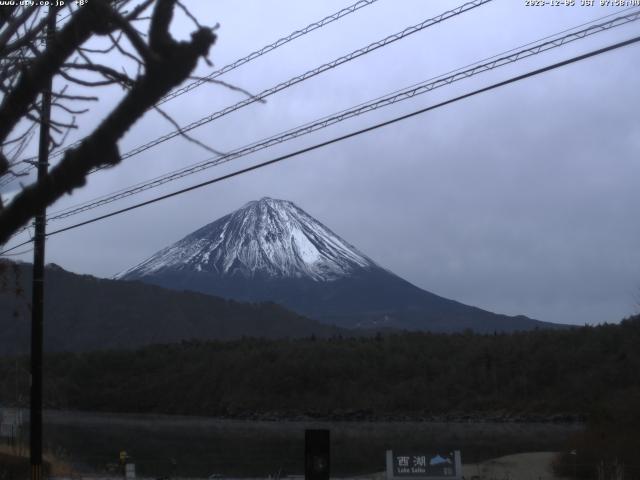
(83, 24)
(31, 35)
(169, 63)
(230, 86)
(13, 25)
(185, 134)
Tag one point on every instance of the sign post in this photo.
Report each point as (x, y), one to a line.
(446, 465)
(130, 471)
(11, 420)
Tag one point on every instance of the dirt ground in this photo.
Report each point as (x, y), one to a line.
(522, 466)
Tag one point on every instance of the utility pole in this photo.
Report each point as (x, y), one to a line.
(37, 299)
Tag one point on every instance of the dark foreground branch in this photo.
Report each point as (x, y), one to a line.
(171, 63)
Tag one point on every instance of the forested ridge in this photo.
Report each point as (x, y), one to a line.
(85, 313)
(590, 371)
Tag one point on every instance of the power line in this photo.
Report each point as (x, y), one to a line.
(289, 83)
(210, 162)
(267, 48)
(347, 136)
(5, 252)
(239, 62)
(298, 79)
(395, 97)
(17, 254)
(417, 89)
(309, 74)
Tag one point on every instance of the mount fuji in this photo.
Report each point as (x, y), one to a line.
(271, 250)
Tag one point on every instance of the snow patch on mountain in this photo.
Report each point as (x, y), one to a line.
(267, 237)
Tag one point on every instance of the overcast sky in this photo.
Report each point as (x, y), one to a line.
(521, 200)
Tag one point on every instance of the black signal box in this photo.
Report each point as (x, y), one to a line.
(317, 459)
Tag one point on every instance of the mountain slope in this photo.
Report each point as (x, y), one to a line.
(85, 313)
(269, 238)
(272, 250)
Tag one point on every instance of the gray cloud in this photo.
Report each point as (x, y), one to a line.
(521, 200)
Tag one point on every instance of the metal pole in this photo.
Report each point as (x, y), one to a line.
(37, 302)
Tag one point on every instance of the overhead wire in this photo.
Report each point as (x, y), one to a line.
(17, 254)
(267, 48)
(502, 59)
(389, 99)
(207, 161)
(511, 56)
(309, 74)
(235, 64)
(334, 140)
(299, 78)
(361, 131)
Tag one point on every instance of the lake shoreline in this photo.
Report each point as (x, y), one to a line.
(242, 446)
(55, 416)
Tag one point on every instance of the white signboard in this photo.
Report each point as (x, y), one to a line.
(7, 430)
(130, 471)
(10, 421)
(443, 465)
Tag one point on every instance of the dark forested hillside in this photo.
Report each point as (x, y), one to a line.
(585, 370)
(84, 313)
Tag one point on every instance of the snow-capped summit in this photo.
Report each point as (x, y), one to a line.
(271, 250)
(265, 238)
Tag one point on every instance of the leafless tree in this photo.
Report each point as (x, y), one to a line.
(79, 55)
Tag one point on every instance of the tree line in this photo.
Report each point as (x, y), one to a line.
(587, 371)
